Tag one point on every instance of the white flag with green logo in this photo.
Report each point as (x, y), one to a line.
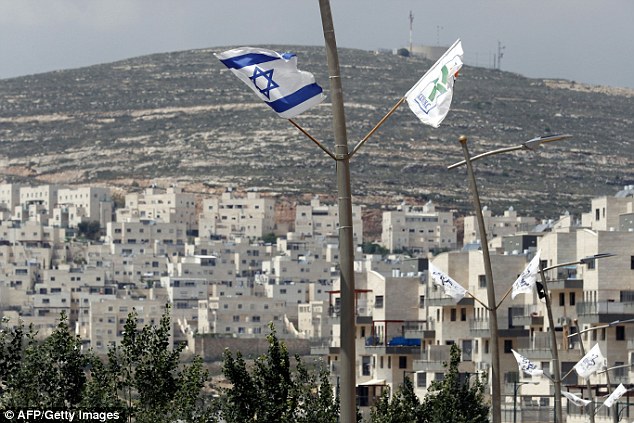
(614, 396)
(430, 98)
(575, 399)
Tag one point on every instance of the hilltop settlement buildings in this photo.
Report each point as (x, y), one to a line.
(208, 259)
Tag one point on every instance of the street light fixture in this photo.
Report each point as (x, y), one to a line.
(516, 387)
(496, 391)
(583, 353)
(553, 338)
(531, 145)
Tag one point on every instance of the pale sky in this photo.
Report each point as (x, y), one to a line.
(581, 40)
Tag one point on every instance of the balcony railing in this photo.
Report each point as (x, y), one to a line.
(605, 308)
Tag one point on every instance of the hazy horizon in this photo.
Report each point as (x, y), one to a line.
(567, 39)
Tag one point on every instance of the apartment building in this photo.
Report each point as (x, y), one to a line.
(418, 229)
(170, 205)
(36, 203)
(108, 318)
(496, 226)
(243, 313)
(9, 198)
(320, 220)
(83, 204)
(232, 215)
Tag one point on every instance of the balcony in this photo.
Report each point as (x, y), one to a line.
(479, 328)
(435, 359)
(605, 311)
(564, 284)
(439, 299)
(421, 329)
(527, 316)
(397, 345)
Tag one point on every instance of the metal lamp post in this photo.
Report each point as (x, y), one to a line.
(553, 338)
(516, 387)
(582, 348)
(496, 391)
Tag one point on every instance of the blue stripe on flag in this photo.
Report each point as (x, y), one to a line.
(245, 60)
(298, 97)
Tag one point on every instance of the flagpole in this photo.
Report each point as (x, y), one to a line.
(347, 400)
(376, 127)
(320, 145)
(476, 298)
(504, 297)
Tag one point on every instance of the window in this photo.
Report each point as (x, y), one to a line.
(421, 379)
(378, 301)
(453, 315)
(562, 299)
(482, 281)
(365, 366)
(463, 314)
(381, 362)
(508, 345)
(620, 333)
(632, 262)
(572, 298)
(402, 362)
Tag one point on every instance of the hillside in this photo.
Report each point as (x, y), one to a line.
(182, 117)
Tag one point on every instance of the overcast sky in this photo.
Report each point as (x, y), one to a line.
(582, 40)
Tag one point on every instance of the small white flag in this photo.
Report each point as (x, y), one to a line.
(526, 280)
(614, 396)
(575, 399)
(526, 365)
(274, 78)
(590, 363)
(430, 98)
(451, 287)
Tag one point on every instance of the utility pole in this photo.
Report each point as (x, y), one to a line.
(346, 252)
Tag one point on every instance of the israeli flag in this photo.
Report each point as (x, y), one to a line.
(274, 78)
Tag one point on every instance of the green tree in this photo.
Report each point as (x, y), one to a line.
(271, 391)
(373, 248)
(89, 230)
(446, 399)
(43, 374)
(144, 377)
(464, 402)
(269, 238)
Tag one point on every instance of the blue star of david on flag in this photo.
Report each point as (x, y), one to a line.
(268, 77)
(291, 92)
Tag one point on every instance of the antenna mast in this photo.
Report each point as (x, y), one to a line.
(411, 25)
(500, 55)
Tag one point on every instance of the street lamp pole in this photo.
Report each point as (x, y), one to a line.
(346, 251)
(582, 348)
(553, 349)
(516, 387)
(496, 394)
(551, 324)
(532, 144)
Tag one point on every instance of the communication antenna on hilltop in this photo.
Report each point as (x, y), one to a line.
(500, 55)
(411, 26)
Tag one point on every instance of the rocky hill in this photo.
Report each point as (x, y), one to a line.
(182, 117)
